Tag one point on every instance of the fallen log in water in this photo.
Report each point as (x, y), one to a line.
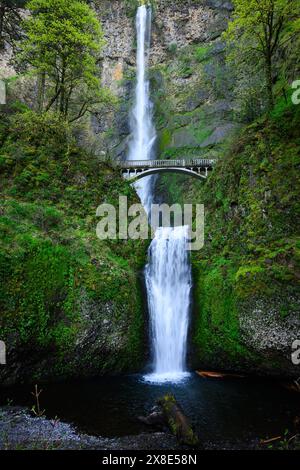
(155, 418)
(292, 386)
(217, 375)
(177, 421)
(272, 439)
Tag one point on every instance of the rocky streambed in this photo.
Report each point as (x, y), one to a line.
(20, 430)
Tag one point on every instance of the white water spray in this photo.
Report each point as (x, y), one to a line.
(168, 273)
(142, 128)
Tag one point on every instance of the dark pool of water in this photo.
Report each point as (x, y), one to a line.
(218, 408)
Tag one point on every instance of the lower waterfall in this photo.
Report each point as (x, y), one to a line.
(168, 282)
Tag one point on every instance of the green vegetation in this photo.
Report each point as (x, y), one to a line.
(74, 301)
(62, 43)
(252, 221)
(67, 299)
(202, 53)
(55, 273)
(259, 31)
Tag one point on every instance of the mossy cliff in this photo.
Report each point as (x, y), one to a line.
(71, 304)
(247, 301)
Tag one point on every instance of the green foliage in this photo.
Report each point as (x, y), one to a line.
(165, 139)
(258, 31)
(202, 133)
(252, 221)
(185, 70)
(172, 48)
(62, 44)
(202, 53)
(131, 7)
(217, 326)
(52, 266)
(282, 106)
(40, 275)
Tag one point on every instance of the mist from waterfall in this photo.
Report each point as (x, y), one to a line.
(143, 133)
(168, 272)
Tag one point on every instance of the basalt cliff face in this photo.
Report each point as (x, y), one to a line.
(184, 35)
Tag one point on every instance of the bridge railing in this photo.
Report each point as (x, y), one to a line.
(190, 162)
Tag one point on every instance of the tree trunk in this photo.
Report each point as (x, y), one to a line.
(62, 99)
(2, 13)
(62, 90)
(177, 421)
(41, 91)
(269, 82)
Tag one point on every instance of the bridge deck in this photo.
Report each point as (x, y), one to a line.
(186, 163)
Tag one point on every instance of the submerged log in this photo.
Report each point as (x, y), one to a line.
(177, 421)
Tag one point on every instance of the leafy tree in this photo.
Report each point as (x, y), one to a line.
(261, 28)
(62, 44)
(10, 20)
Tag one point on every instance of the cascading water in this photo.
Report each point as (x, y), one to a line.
(142, 128)
(168, 273)
(168, 282)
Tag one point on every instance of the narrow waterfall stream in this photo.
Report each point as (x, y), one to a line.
(143, 133)
(168, 273)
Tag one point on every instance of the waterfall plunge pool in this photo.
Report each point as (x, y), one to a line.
(219, 409)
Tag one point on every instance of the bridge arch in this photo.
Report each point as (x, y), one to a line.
(139, 174)
(137, 169)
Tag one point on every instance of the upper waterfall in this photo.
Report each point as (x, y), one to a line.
(142, 128)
